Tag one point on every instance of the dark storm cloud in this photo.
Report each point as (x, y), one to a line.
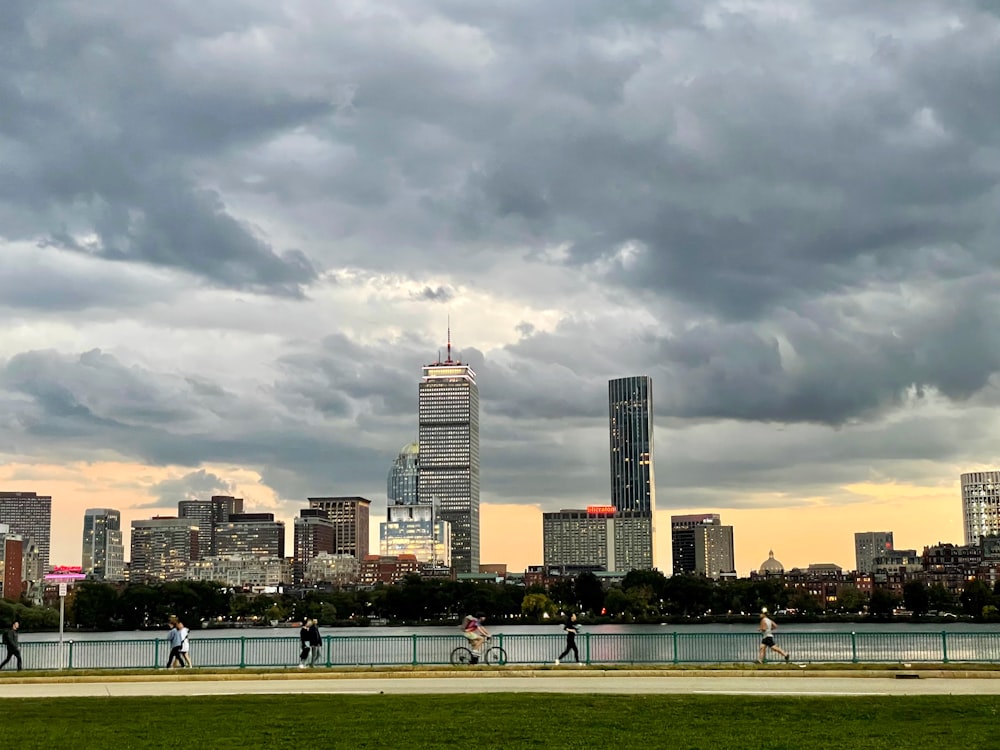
(98, 138)
(196, 485)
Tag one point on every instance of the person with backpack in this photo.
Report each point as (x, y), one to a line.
(475, 633)
(571, 629)
(10, 641)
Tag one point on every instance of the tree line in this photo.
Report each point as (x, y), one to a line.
(643, 596)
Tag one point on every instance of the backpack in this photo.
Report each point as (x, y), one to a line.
(6, 638)
(464, 624)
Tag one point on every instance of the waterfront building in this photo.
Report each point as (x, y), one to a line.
(334, 570)
(596, 538)
(242, 571)
(103, 548)
(314, 533)
(254, 534)
(350, 517)
(682, 539)
(869, 545)
(633, 484)
(448, 436)
(713, 550)
(387, 569)
(30, 516)
(206, 515)
(162, 549)
(980, 504)
(414, 530)
(11, 564)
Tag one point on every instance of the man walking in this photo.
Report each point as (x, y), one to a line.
(767, 627)
(304, 642)
(10, 641)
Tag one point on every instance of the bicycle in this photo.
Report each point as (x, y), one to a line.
(492, 655)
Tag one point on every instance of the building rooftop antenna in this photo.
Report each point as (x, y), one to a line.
(449, 339)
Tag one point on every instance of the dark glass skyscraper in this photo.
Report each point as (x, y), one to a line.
(401, 484)
(630, 421)
(448, 474)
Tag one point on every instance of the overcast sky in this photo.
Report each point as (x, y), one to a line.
(232, 232)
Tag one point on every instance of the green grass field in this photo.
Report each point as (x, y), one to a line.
(500, 720)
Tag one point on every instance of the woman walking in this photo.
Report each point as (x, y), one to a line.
(571, 629)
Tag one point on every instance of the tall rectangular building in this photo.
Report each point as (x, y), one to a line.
(869, 546)
(30, 516)
(713, 550)
(682, 539)
(207, 514)
(595, 538)
(349, 516)
(162, 549)
(251, 535)
(314, 534)
(633, 485)
(11, 564)
(103, 548)
(448, 470)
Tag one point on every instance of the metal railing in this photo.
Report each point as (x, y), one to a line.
(527, 649)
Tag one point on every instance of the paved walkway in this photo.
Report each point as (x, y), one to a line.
(556, 681)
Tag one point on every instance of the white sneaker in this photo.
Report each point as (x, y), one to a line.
(302, 666)
(579, 664)
(556, 662)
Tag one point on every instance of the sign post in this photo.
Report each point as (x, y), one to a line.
(64, 575)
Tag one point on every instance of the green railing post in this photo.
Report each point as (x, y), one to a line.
(586, 648)
(676, 657)
(156, 653)
(944, 646)
(854, 647)
(329, 650)
(69, 664)
(500, 638)
(243, 652)
(414, 660)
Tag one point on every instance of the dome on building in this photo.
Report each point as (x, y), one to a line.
(410, 449)
(771, 566)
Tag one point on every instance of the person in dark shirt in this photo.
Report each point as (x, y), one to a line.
(315, 643)
(571, 629)
(304, 643)
(10, 641)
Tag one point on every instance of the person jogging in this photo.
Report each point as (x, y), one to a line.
(767, 627)
(571, 629)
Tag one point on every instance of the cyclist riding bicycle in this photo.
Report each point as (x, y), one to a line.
(473, 630)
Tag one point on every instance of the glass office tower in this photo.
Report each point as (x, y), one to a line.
(630, 422)
(103, 547)
(448, 473)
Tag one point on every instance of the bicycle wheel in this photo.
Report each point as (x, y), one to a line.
(461, 655)
(496, 655)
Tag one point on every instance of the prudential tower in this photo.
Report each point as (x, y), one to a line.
(449, 453)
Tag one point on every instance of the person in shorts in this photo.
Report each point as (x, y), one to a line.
(767, 627)
(475, 633)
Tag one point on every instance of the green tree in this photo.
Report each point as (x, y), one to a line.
(536, 606)
(93, 605)
(976, 596)
(689, 595)
(589, 593)
(851, 600)
(915, 598)
(940, 598)
(616, 602)
(881, 603)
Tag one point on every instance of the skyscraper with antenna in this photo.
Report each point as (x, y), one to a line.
(448, 436)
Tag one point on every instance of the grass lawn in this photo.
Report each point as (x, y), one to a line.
(500, 720)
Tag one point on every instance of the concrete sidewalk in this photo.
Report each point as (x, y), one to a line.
(728, 682)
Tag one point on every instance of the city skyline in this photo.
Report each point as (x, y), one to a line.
(783, 213)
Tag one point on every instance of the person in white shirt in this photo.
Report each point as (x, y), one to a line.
(767, 627)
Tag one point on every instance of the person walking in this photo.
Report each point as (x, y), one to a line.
(315, 643)
(767, 627)
(571, 629)
(10, 641)
(175, 638)
(304, 642)
(185, 644)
